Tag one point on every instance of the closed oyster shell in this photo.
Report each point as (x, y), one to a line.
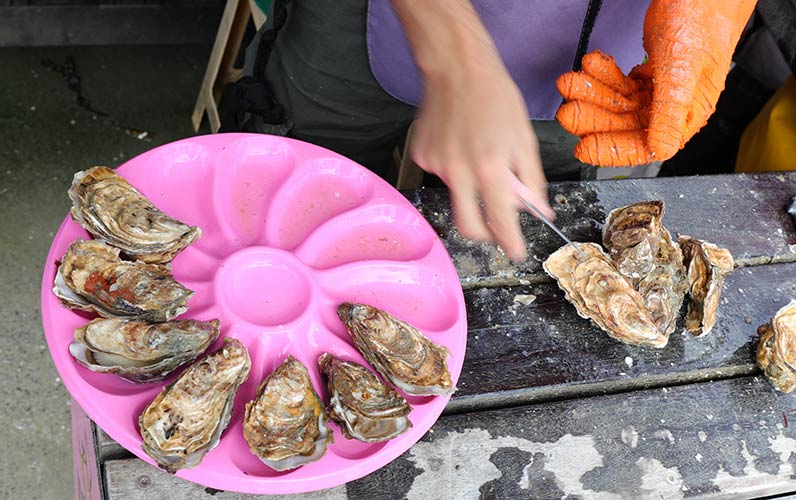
(92, 277)
(776, 352)
(186, 419)
(366, 408)
(665, 286)
(398, 351)
(112, 210)
(632, 236)
(138, 351)
(286, 425)
(707, 267)
(601, 293)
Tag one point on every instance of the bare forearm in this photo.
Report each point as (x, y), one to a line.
(446, 36)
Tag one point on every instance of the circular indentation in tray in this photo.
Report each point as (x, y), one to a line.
(264, 286)
(266, 266)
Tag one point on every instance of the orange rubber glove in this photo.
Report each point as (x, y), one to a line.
(650, 114)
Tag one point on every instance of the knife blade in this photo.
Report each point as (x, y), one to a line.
(551, 225)
(792, 210)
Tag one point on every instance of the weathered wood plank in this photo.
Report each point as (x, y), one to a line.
(725, 439)
(745, 213)
(520, 353)
(107, 448)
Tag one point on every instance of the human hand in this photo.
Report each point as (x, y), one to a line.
(651, 114)
(473, 131)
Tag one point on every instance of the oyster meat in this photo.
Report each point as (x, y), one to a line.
(398, 351)
(286, 425)
(601, 293)
(776, 353)
(92, 277)
(138, 351)
(665, 286)
(632, 236)
(186, 419)
(366, 408)
(112, 210)
(707, 266)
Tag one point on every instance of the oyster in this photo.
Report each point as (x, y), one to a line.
(601, 293)
(92, 277)
(286, 425)
(112, 210)
(665, 286)
(707, 267)
(139, 351)
(366, 408)
(776, 353)
(186, 419)
(398, 351)
(632, 236)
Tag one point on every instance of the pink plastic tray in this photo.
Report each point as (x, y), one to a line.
(289, 231)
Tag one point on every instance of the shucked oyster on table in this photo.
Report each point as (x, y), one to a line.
(632, 235)
(286, 425)
(186, 419)
(602, 294)
(398, 351)
(776, 352)
(707, 267)
(92, 277)
(366, 408)
(139, 351)
(112, 210)
(666, 284)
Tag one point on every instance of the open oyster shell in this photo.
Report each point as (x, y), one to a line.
(665, 286)
(398, 351)
(776, 352)
(601, 293)
(112, 210)
(632, 236)
(707, 267)
(286, 425)
(92, 277)
(139, 351)
(186, 419)
(366, 408)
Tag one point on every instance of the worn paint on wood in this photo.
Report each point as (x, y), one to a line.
(722, 439)
(520, 353)
(745, 213)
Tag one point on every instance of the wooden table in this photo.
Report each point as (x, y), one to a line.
(550, 407)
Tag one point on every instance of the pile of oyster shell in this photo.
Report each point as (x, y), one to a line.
(123, 275)
(635, 288)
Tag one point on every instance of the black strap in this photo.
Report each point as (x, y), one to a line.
(279, 16)
(585, 33)
(779, 17)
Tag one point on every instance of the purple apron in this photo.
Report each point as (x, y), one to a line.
(537, 40)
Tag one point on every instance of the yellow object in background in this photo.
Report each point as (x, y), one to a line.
(769, 142)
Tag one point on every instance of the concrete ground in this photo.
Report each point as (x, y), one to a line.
(44, 138)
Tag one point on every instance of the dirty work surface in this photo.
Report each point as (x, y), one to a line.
(45, 136)
(550, 407)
